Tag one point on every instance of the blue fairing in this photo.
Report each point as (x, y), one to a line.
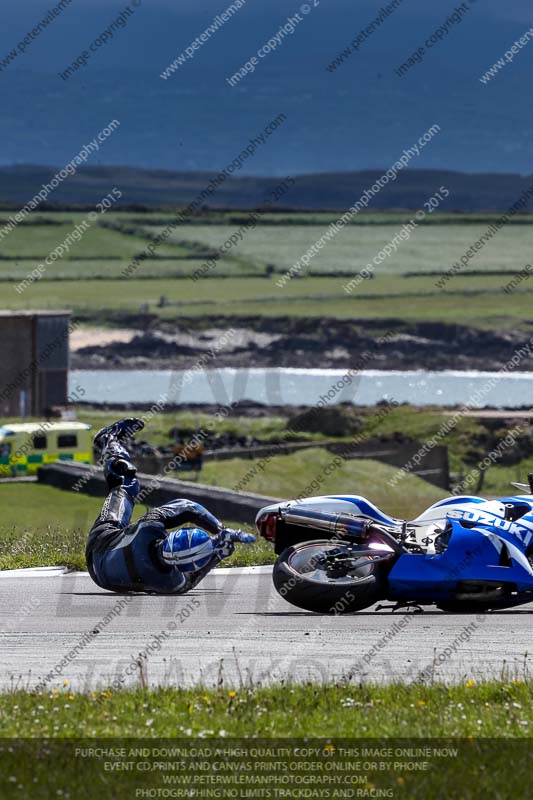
(472, 554)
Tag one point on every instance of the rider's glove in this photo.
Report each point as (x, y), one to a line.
(225, 541)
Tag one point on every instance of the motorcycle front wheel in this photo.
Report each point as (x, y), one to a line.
(328, 578)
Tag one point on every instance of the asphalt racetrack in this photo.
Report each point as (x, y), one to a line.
(234, 628)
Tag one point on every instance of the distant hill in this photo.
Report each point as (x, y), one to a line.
(328, 191)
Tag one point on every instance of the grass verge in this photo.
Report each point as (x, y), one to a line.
(366, 741)
(495, 709)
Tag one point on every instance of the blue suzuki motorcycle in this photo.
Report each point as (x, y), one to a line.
(340, 553)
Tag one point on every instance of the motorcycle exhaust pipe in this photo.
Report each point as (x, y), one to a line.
(340, 526)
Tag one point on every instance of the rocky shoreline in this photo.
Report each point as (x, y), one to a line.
(296, 342)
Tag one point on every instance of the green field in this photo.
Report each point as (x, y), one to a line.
(432, 248)
(485, 307)
(37, 241)
(243, 282)
(100, 269)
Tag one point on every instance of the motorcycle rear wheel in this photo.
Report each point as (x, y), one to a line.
(301, 578)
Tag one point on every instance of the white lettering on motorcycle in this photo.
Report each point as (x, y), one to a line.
(523, 534)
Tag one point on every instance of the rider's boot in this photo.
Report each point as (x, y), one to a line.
(119, 470)
(122, 429)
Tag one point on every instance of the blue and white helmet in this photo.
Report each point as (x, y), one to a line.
(189, 549)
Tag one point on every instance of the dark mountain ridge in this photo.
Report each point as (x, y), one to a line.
(156, 188)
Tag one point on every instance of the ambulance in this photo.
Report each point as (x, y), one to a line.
(24, 447)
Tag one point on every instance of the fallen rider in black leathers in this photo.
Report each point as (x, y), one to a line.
(155, 554)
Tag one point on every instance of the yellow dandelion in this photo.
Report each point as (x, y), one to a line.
(329, 747)
(470, 683)
(71, 697)
(421, 702)
(232, 694)
(65, 682)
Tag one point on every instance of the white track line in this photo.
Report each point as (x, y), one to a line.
(58, 572)
(243, 570)
(34, 572)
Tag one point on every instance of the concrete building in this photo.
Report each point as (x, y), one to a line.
(34, 361)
